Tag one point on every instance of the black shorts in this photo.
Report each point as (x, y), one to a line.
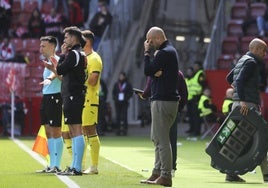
(73, 108)
(51, 110)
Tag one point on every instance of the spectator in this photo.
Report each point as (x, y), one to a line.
(5, 17)
(122, 92)
(228, 102)
(54, 24)
(7, 50)
(206, 108)
(36, 27)
(58, 4)
(20, 31)
(195, 85)
(99, 22)
(75, 14)
(189, 75)
(262, 23)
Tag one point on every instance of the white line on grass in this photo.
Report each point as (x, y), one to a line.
(66, 180)
(115, 162)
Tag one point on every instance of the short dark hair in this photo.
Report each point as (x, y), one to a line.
(75, 31)
(50, 39)
(88, 35)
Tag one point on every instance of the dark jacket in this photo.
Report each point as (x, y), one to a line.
(245, 78)
(73, 74)
(163, 88)
(122, 87)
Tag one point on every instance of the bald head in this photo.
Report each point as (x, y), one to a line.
(157, 32)
(156, 37)
(258, 47)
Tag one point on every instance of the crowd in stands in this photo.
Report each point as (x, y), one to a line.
(248, 19)
(35, 18)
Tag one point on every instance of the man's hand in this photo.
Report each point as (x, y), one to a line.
(64, 48)
(146, 46)
(45, 82)
(49, 66)
(244, 108)
(158, 73)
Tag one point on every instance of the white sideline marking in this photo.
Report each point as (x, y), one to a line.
(124, 166)
(66, 180)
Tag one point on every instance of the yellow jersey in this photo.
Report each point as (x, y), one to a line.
(94, 64)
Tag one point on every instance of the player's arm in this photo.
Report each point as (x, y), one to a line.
(93, 78)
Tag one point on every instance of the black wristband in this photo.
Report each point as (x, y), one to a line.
(49, 79)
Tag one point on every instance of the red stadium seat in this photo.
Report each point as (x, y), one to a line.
(37, 72)
(230, 45)
(257, 9)
(32, 45)
(239, 11)
(16, 7)
(30, 57)
(46, 7)
(225, 61)
(24, 18)
(18, 44)
(29, 6)
(234, 28)
(245, 42)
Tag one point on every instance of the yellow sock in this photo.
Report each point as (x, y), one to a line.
(68, 144)
(85, 153)
(94, 143)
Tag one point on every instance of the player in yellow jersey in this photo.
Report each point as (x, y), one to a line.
(90, 111)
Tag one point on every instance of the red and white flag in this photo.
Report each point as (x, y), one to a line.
(11, 80)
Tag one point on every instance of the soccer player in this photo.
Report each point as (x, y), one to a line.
(90, 111)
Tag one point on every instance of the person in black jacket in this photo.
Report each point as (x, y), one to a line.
(163, 69)
(72, 66)
(99, 22)
(245, 79)
(122, 92)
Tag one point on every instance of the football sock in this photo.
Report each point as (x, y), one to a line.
(94, 143)
(78, 151)
(58, 151)
(51, 148)
(85, 153)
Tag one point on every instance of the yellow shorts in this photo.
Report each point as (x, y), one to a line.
(90, 115)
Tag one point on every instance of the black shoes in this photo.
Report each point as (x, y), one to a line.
(70, 172)
(54, 170)
(234, 178)
(49, 170)
(43, 171)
